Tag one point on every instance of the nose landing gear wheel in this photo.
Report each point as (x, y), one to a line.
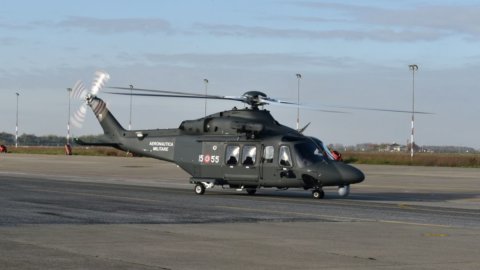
(343, 191)
(251, 191)
(199, 189)
(318, 194)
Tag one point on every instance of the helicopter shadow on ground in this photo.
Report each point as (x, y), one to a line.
(366, 196)
(411, 196)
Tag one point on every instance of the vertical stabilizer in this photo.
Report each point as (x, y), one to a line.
(111, 127)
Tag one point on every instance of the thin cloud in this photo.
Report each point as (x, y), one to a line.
(446, 19)
(248, 60)
(111, 26)
(9, 41)
(440, 20)
(358, 23)
(385, 35)
(15, 26)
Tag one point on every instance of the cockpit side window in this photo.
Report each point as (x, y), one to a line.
(284, 156)
(249, 155)
(322, 148)
(232, 154)
(268, 153)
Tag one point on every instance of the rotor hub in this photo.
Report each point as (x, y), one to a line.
(89, 97)
(254, 98)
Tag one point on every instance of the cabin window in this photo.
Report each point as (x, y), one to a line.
(249, 155)
(232, 154)
(284, 156)
(268, 153)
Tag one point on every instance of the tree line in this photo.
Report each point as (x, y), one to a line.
(53, 140)
(47, 140)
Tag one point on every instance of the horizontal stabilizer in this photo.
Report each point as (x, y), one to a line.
(84, 143)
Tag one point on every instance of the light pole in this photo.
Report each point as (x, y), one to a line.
(16, 124)
(69, 91)
(299, 77)
(413, 68)
(206, 93)
(131, 96)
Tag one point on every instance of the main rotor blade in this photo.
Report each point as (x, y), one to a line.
(241, 99)
(273, 100)
(266, 100)
(301, 106)
(180, 96)
(375, 109)
(158, 91)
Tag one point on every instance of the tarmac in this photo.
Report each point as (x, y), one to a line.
(77, 212)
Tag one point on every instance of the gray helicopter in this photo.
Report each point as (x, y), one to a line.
(244, 149)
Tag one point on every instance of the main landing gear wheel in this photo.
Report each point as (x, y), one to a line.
(199, 188)
(318, 194)
(251, 191)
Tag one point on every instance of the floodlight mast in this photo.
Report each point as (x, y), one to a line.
(131, 97)
(299, 77)
(413, 68)
(206, 93)
(69, 91)
(16, 124)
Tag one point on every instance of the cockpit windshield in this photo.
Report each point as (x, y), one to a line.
(308, 153)
(323, 148)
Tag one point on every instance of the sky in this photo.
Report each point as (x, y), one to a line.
(349, 53)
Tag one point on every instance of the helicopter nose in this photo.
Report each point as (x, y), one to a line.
(350, 174)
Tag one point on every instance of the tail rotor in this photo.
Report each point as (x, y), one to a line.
(80, 92)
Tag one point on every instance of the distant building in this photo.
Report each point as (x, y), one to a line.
(416, 148)
(367, 147)
(395, 147)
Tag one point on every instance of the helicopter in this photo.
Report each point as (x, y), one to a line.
(243, 149)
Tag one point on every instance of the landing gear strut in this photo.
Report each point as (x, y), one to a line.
(318, 193)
